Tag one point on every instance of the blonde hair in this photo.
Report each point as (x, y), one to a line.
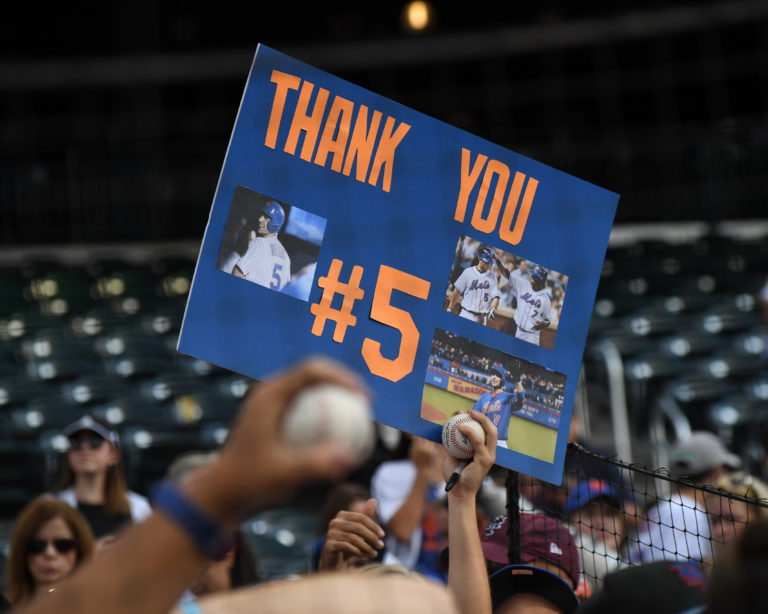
(747, 486)
(380, 569)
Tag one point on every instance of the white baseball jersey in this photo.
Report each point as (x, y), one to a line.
(266, 263)
(477, 291)
(533, 306)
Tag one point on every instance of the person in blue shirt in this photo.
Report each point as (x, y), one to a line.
(499, 404)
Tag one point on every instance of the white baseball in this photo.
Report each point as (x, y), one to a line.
(458, 444)
(329, 412)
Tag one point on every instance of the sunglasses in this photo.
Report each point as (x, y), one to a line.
(94, 441)
(62, 546)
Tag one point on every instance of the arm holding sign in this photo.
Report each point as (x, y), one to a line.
(150, 565)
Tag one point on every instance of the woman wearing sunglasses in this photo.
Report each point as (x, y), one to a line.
(50, 539)
(92, 480)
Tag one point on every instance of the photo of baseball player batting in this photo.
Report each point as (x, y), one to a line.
(522, 399)
(505, 292)
(271, 243)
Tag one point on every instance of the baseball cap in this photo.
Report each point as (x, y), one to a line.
(87, 423)
(662, 587)
(700, 453)
(589, 490)
(541, 538)
(499, 369)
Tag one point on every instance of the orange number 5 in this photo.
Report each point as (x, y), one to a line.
(396, 368)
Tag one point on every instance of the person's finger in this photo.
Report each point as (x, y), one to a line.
(355, 521)
(352, 544)
(369, 508)
(491, 432)
(347, 547)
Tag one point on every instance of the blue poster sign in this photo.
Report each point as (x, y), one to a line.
(443, 268)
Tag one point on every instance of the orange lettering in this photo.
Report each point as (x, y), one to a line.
(516, 235)
(390, 279)
(502, 172)
(385, 153)
(341, 115)
(284, 83)
(468, 179)
(309, 124)
(361, 143)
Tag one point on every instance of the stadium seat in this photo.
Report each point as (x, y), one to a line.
(170, 384)
(205, 407)
(54, 344)
(38, 414)
(730, 363)
(17, 389)
(690, 343)
(651, 322)
(56, 369)
(654, 365)
(136, 367)
(60, 291)
(282, 539)
(163, 319)
(128, 342)
(148, 451)
(93, 388)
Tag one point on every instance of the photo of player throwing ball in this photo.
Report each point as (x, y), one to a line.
(506, 292)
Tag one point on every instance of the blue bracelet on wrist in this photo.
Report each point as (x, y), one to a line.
(205, 533)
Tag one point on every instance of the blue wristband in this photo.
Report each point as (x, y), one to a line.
(204, 532)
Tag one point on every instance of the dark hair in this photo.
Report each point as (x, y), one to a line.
(737, 582)
(21, 584)
(338, 499)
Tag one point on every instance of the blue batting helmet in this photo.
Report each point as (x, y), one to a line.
(540, 272)
(499, 370)
(485, 254)
(274, 211)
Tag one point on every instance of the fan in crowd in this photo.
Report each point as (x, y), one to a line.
(729, 516)
(92, 480)
(678, 528)
(408, 489)
(50, 539)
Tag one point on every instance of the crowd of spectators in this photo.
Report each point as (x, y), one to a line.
(587, 545)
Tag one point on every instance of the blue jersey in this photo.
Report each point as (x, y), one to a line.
(498, 406)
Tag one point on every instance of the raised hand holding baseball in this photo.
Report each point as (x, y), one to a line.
(330, 413)
(467, 474)
(456, 442)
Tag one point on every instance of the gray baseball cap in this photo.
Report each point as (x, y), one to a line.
(87, 423)
(700, 453)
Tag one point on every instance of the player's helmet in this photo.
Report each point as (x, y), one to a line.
(540, 274)
(498, 369)
(485, 254)
(275, 211)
